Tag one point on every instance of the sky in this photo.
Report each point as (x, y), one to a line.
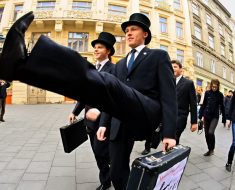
(229, 5)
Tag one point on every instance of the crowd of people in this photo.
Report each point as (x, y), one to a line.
(152, 88)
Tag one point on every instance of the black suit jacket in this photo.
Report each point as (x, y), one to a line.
(3, 90)
(186, 99)
(92, 125)
(152, 75)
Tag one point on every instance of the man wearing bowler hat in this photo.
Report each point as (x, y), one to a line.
(140, 96)
(103, 50)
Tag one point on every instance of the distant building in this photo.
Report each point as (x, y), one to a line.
(212, 40)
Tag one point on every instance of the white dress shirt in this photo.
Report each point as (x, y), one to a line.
(102, 63)
(138, 50)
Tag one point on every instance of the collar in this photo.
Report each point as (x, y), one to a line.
(102, 63)
(178, 78)
(139, 48)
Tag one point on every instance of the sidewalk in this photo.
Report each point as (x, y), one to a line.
(32, 156)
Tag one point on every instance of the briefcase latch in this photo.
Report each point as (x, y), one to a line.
(153, 159)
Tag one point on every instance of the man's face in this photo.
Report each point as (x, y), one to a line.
(135, 36)
(177, 70)
(214, 87)
(100, 52)
(230, 94)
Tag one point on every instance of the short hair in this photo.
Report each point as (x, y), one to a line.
(215, 81)
(177, 62)
(230, 91)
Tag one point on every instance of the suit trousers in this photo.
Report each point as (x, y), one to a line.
(2, 107)
(181, 125)
(120, 151)
(101, 152)
(51, 66)
(232, 147)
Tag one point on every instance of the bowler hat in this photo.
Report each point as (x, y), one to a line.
(139, 20)
(107, 39)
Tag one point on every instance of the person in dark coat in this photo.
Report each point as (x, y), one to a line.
(140, 95)
(231, 117)
(3, 94)
(213, 104)
(186, 99)
(103, 50)
(227, 102)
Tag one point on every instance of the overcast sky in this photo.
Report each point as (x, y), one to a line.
(229, 5)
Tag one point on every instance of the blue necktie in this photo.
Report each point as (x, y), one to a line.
(132, 59)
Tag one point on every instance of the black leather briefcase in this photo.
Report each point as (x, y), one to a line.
(73, 135)
(159, 171)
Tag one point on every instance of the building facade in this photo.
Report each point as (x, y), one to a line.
(212, 40)
(75, 23)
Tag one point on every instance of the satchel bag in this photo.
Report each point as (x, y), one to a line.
(73, 135)
(200, 127)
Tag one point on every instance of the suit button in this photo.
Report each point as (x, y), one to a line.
(128, 79)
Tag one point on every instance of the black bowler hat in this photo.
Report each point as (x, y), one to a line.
(139, 20)
(107, 39)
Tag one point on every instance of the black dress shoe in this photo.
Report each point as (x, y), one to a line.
(228, 167)
(103, 187)
(2, 120)
(145, 152)
(209, 153)
(14, 50)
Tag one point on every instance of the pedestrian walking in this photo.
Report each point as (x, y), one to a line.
(3, 94)
(213, 104)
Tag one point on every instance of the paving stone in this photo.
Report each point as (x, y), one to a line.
(11, 176)
(62, 171)
(39, 167)
(8, 186)
(18, 164)
(31, 185)
(42, 156)
(35, 177)
(61, 183)
(211, 184)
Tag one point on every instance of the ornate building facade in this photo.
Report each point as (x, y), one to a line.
(75, 23)
(212, 40)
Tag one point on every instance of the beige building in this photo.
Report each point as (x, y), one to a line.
(212, 40)
(75, 24)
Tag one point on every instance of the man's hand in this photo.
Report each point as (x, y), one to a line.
(72, 118)
(168, 143)
(100, 133)
(92, 114)
(194, 127)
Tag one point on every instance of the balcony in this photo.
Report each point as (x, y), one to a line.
(163, 5)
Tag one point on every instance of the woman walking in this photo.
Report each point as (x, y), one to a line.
(210, 111)
(232, 148)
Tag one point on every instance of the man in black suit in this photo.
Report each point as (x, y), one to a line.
(103, 50)
(3, 94)
(187, 101)
(141, 95)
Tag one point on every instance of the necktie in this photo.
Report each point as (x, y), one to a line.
(132, 59)
(98, 66)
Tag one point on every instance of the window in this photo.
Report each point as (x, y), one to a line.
(211, 42)
(229, 38)
(222, 49)
(115, 9)
(18, 8)
(206, 2)
(230, 56)
(224, 72)
(213, 66)
(81, 5)
(177, 4)
(78, 41)
(198, 32)
(46, 5)
(221, 30)
(163, 47)
(1, 11)
(120, 45)
(163, 25)
(179, 30)
(195, 9)
(199, 59)
(180, 56)
(208, 19)
(231, 77)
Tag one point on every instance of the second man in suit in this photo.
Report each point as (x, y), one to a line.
(187, 100)
(103, 50)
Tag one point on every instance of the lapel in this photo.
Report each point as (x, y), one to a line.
(106, 66)
(180, 83)
(142, 55)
